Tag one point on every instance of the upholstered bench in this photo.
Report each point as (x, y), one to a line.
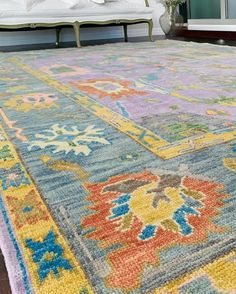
(59, 13)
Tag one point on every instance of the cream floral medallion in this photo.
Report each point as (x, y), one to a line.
(70, 139)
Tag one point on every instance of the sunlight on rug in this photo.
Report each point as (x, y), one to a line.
(118, 169)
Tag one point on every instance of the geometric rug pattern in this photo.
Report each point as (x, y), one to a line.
(118, 169)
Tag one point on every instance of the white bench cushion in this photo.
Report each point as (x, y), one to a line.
(46, 12)
(28, 4)
(9, 5)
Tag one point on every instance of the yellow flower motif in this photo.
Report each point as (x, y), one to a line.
(31, 101)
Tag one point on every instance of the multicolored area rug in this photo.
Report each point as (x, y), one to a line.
(118, 169)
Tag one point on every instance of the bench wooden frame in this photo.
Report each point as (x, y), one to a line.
(77, 26)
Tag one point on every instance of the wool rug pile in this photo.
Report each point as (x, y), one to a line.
(118, 169)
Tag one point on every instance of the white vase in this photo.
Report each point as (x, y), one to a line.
(167, 19)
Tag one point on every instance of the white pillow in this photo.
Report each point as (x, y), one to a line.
(72, 3)
(28, 4)
(99, 1)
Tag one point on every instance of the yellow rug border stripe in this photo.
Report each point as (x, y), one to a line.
(70, 281)
(221, 272)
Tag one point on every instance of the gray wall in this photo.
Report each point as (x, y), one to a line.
(232, 8)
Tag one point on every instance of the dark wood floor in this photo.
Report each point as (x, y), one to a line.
(72, 44)
(220, 38)
(4, 282)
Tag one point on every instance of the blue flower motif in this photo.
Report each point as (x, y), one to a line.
(119, 211)
(48, 256)
(148, 232)
(233, 146)
(13, 177)
(27, 209)
(122, 199)
(180, 216)
(121, 206)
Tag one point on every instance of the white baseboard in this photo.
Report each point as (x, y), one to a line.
(209, 27)
(109, 33)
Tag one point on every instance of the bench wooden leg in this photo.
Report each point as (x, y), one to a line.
(125, 32)
(77, 33)
(150, 28)
(58, 31)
